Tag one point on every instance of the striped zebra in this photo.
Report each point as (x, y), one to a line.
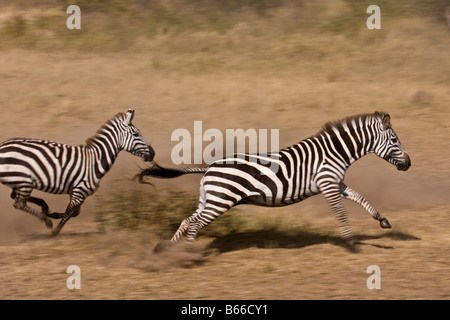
(312, 166)
(27, 164)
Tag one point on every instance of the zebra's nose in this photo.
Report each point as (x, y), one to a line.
(408, 161)
(405, 164)
(151, 154)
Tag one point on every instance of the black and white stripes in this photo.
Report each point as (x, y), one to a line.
(27, 164)
(314, 165)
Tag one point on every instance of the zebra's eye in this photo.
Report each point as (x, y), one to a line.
(136, 134)
(394, 140)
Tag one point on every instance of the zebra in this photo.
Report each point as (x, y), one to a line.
(315, 165)
(27, 164)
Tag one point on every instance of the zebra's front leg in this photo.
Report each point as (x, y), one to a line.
(72, 210)
(348, 193)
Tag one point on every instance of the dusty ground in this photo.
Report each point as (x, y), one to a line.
(249, 76)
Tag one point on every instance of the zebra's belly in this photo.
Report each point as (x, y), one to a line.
(52, 189)
(86, 187)
(270, 202)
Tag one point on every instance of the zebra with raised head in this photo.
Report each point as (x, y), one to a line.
(27, 164)
(314, 165)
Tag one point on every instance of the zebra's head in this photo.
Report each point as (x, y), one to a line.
(389, 147)
(133, 141)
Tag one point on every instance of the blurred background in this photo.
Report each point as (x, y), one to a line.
(287, 65)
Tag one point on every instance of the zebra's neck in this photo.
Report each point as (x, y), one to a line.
(103, 149)
(347, 143)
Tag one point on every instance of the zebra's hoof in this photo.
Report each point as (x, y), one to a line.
(161, 246)
(48, 223)
(384, 223)
(55, 215)
(352, 246)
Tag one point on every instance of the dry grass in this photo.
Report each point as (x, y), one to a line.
(268, 67)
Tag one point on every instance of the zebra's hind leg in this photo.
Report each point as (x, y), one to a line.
(161, 246)
(353, 195)
(55, 215)
(37, 201)
(41, 203)
(204, 218)
(191, 226)
(21, 196)
(184, 226)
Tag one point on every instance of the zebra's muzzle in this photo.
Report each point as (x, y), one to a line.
(404, 164)
(145, 153)
(150, 155)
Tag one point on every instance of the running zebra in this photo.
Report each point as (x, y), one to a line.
(27, 164)
(312, 166)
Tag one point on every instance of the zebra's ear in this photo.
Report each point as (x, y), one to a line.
(130, 115)
(386, 121)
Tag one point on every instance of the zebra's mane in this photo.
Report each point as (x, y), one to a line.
(118, 117)
(331, 125)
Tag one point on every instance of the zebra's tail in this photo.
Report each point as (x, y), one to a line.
(160, 172)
